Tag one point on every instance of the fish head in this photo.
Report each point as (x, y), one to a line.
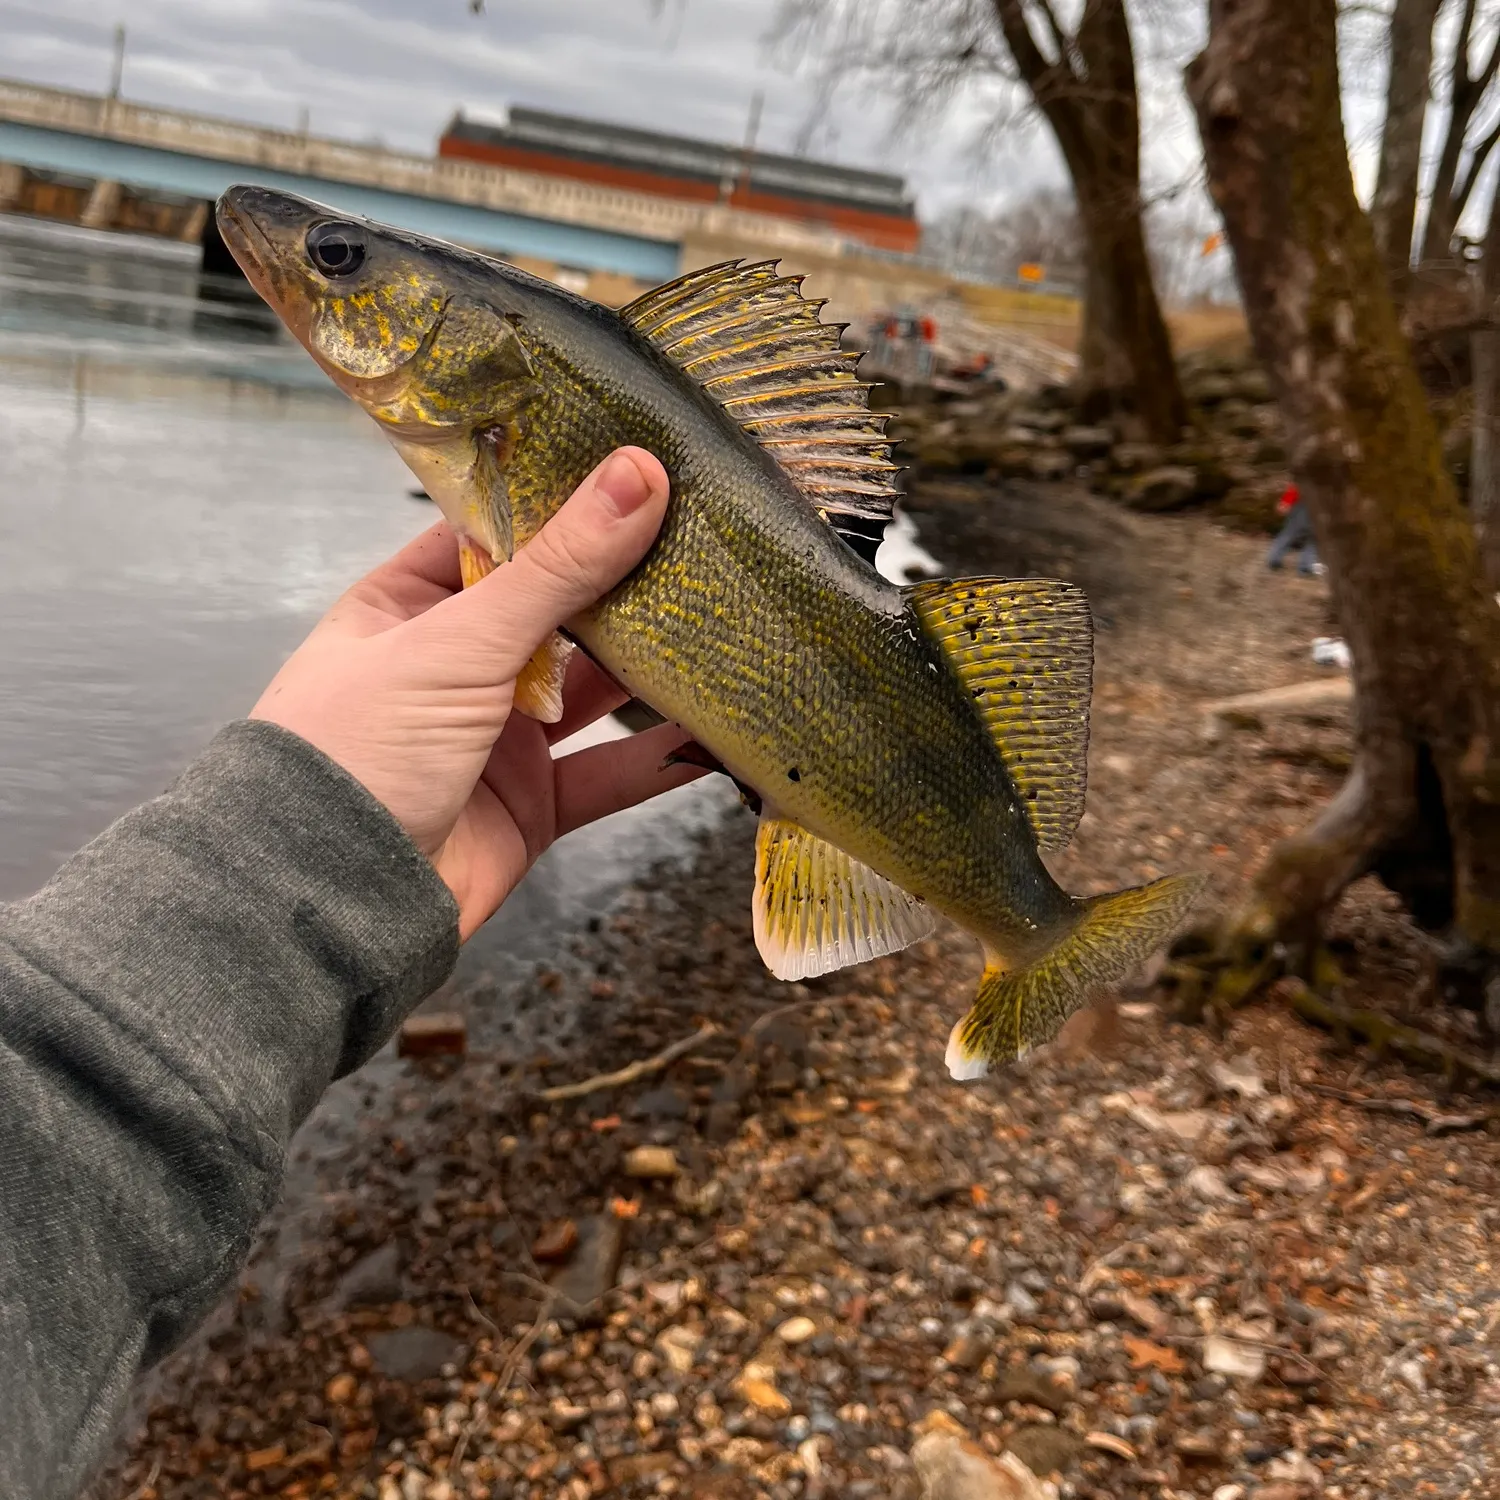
(402, 326)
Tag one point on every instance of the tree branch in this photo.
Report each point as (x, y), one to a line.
(1477, 158)
(1460, 68)
(1060, 38)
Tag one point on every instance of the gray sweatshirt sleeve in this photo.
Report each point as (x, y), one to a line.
(172, 1005)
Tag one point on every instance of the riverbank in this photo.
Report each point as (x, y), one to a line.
(1147, 1261)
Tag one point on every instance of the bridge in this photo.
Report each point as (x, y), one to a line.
(570, 224)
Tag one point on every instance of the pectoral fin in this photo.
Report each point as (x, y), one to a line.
(474, 562)
(818, 909)
(539, 688)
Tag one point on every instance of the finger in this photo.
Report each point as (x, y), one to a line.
(591, 784)
(603, 530)
(589, 692)
(424, 571)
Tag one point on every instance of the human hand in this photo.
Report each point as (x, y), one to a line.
(408, 681)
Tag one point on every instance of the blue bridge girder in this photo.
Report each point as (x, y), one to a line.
(151, 168)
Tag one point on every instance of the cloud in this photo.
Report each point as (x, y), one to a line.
(389, 70)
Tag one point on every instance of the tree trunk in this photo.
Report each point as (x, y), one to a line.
(1393, 210)
(1484, 463)
(1422, 806)
(1087, 93)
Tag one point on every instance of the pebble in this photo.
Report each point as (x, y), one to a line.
(413, 1353)
(1022, 1303)
(651, 1163)
(439, 1034)
(1226, 1356)
(595, 1262)
(953, 1468)
(796, 1330)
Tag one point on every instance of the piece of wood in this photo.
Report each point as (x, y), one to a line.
(439, 1034)
(632, 1071)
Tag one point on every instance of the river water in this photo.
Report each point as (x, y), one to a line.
(182, 494)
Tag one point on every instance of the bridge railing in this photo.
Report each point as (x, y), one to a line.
(454, 180)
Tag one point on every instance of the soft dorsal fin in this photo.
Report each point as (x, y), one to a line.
(818, 909)
(750, 338)
(1024, 648)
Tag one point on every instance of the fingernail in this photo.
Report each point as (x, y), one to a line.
(622, 480)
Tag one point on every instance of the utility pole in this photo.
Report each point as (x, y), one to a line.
(752, 129)
(117, 68)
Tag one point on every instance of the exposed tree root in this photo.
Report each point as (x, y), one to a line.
(1386, 1037)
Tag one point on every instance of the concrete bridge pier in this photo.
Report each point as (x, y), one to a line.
(103, 204)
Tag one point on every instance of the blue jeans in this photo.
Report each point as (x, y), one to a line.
(1296, 533)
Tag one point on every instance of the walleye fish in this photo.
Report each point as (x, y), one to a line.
(913, 749)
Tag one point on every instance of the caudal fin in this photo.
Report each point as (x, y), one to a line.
(1017, 1009)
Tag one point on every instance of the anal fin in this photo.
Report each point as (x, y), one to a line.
(818, 909)
(1024, 649)
(539, 688)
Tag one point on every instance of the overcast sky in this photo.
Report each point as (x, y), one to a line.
(397, 69)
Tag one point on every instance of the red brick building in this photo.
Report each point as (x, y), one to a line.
(871, 207)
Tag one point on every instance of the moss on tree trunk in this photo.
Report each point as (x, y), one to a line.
(1422, 804)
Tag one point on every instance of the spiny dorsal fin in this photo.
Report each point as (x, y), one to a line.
(1024, 648)
(752, 341)
(818, 909)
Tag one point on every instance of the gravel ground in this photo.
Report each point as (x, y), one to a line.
(1147, 1262)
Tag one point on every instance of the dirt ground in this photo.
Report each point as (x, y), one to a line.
(1149, 1261)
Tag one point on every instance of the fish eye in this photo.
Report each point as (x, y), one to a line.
(336, 249)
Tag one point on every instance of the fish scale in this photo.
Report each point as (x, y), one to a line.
(911, 748)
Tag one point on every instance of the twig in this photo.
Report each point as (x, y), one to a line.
(506, 1375)
(633, 1071)
(1435, 1122)
(763, 1020)
(136, 1494)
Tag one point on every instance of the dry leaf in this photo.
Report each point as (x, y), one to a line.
(1144, 1355)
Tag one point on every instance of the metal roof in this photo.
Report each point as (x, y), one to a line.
(684, 156)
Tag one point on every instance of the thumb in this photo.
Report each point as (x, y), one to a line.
(600, 533)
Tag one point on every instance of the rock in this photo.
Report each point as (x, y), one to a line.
(1168, 488)
(796, 1330)
(1229, 1492)
(1021, 1383)
(1412, 1373)
(1087, 442)
(1050, 463)
(1208, 1183)
(591, 1272)
(1199, 1447)
(1211, 390)
(1022, 1303)
(759, 1390)
(678, 1348)
(556, 1241)
(265, 1458)
(951, 1467)
(440, 1034)
(1295, 1467)
(1041, 421)
(1045, 1450)
(374, 1280)
(413, 1353)
(651, 1163)
(340, 1390)
(1225, 1356)
(666, 1103)
(968, 1350)
(1107, 1442)
(1238, 1076)
(1132, 458)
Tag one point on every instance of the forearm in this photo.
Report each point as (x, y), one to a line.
(172, 1005)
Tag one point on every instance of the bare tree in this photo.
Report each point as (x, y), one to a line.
(1082, 80)
(1484, 463)
(1421, 806)
(1040, 228)
(1464, 152)
(1393, 210)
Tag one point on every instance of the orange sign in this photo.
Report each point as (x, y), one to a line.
(1031, 272)
(1212, 243)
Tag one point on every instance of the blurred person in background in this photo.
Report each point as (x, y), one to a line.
(1295, 533)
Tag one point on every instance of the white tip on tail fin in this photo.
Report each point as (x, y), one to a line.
(1017, 1009)
(963, 1067)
